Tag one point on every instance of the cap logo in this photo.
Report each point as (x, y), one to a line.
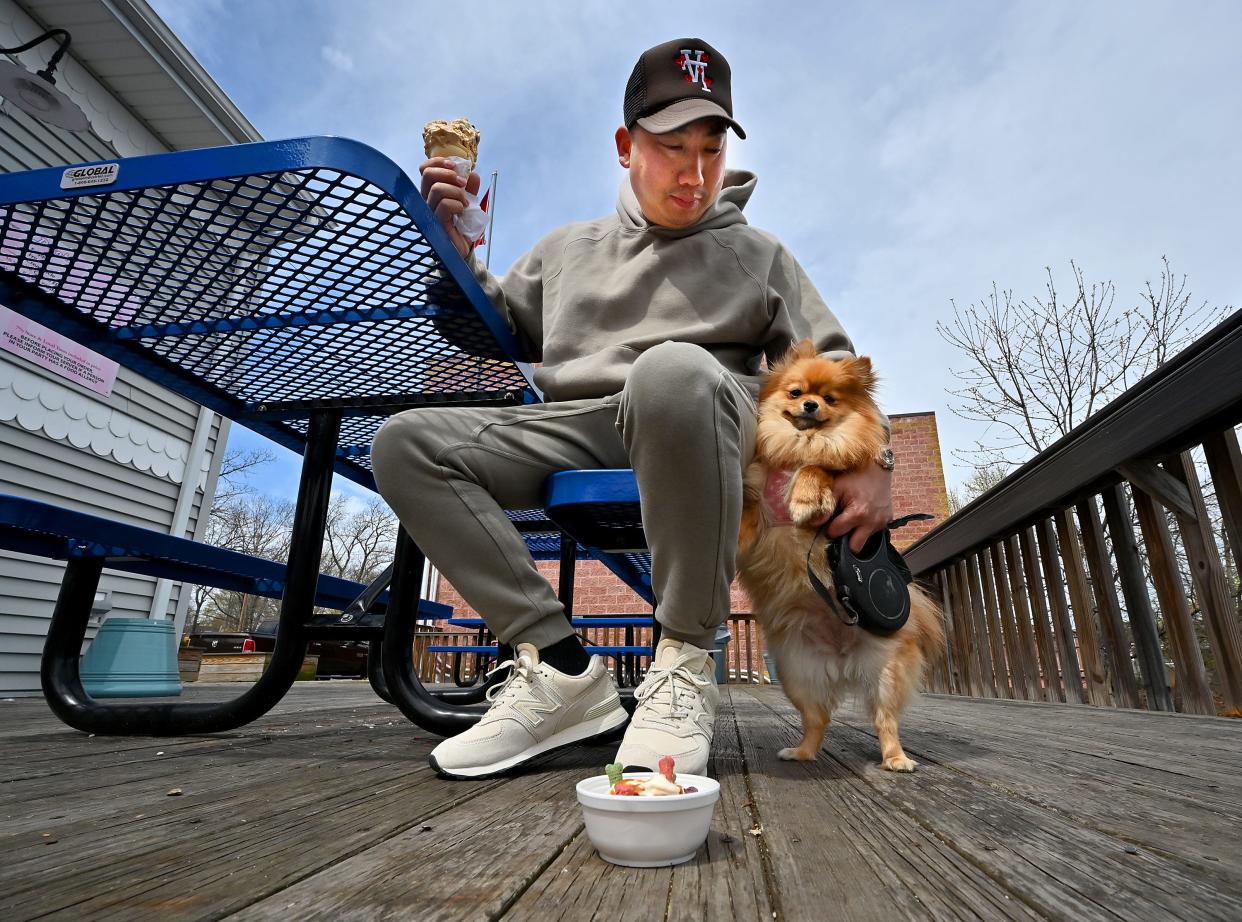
(695, 68)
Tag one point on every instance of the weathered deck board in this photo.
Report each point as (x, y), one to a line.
(840, 851)
(1020, 810)
(1051, 859)
(260, 808)
(467, 864)
(725, 881)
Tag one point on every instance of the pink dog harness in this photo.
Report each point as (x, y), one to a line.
(776, 497)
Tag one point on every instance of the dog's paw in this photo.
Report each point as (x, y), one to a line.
(794, 754)
(901, 763)
(804, 513)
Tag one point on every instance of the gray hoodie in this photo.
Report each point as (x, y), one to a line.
(591, 296)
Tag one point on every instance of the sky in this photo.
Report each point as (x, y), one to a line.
(909, 154)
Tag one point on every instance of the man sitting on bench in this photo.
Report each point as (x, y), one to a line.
(651, 325)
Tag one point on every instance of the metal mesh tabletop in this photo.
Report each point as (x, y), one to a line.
(266, 281)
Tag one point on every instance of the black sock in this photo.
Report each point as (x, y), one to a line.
(566, 656)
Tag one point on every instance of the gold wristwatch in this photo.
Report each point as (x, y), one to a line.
(886, 459)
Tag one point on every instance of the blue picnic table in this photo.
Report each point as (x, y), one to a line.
(303, 289)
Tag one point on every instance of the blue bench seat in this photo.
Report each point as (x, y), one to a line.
(586, 622)
(41, 529)
(491, 650)
(89, 543)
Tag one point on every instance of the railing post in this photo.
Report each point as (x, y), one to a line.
(1007, 674)
(1138, 604)
(1211, 590)
(1039, 615)
(1023, 654)
(1118, 646)
(952, 681)
(1224, 460)
(987, 669)
(1083, 610)
(1064, 633)
(967, 631)
(1184, 643)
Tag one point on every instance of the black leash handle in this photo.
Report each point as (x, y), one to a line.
(843, 609)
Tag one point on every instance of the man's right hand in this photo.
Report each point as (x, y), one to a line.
(445, 193)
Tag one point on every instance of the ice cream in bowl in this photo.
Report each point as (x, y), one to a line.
(648, 819)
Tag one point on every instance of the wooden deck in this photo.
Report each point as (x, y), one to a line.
(326, 809)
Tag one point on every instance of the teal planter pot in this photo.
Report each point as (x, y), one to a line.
(132, 658)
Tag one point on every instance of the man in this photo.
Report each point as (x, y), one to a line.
(650, 325)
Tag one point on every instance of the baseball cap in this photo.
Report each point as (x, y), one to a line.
(677, 82)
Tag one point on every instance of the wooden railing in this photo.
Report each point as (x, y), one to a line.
(1047, 601)
(743, 656)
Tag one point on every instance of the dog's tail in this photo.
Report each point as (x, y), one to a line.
(927, 621)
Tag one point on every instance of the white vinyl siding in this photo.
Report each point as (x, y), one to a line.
(54, 470)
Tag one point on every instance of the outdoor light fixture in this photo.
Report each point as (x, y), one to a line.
(39, 97)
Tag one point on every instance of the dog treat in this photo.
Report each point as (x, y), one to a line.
(659, 785)
(458, 138)
(666, 769)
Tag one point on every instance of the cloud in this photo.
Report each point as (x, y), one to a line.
(908, 154)
(337, 58)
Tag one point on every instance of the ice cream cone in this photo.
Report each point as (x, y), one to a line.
(457, 138)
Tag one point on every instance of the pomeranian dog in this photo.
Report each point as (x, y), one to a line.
(818, 419)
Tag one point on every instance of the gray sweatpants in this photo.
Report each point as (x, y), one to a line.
(684, 424)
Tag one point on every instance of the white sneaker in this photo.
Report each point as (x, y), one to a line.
(535, 710)
(676, 710)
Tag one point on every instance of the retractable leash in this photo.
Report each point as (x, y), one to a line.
(871, 585)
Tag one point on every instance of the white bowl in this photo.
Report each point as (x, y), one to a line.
(648, 832)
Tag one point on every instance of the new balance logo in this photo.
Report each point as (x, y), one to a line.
(705, 723)
(695, 68)
(545, 702)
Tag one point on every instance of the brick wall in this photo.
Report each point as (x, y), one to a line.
(918, 481)
(918, 486)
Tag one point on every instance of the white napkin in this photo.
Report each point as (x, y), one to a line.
(472, 222)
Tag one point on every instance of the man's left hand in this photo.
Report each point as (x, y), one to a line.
(864, 504)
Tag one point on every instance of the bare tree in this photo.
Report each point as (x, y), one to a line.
(235, 471)
(981, 480)
(241, 520)
(253, 524)
(358, 542)
(1037, 367)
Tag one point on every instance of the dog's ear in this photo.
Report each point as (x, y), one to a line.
(795, 353)
(859, 367)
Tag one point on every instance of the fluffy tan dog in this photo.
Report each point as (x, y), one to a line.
(818, 419)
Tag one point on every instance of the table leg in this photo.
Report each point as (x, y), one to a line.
(429, 711)
(375, 670)
(568, 566)
(59, 668)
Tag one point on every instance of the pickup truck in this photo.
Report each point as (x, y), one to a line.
(337, 658)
